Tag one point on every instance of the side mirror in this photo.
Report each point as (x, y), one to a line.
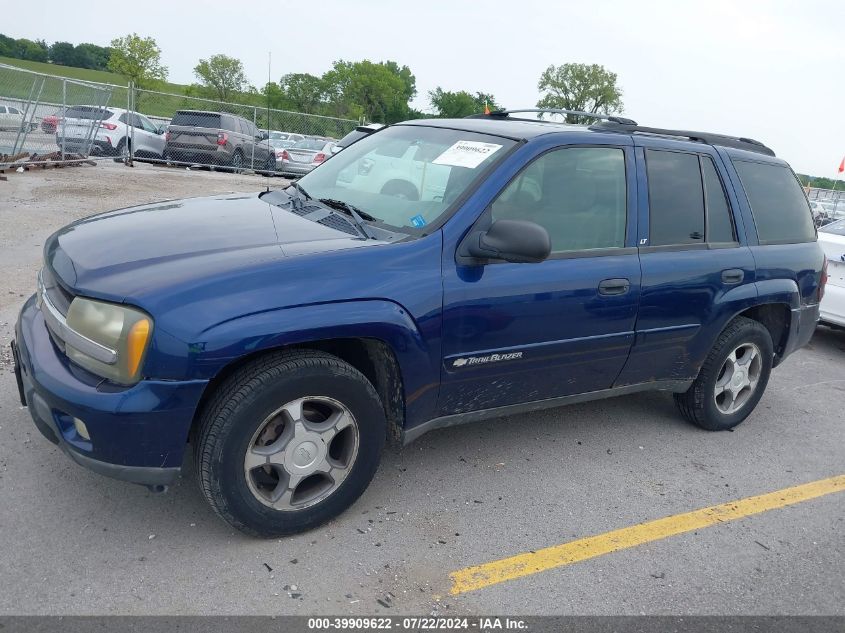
(263, 136)
(514, 241)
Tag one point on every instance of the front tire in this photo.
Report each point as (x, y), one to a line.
(288, 442)
(732, 379)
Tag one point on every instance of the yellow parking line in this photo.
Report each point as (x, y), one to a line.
(478, 576)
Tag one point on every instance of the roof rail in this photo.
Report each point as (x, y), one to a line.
(738, 142)
(592, 115)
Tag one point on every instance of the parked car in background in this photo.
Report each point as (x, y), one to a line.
(820, 213)
(304, 156)
(356, 135)
(50, 123)
(276, 135)
(218, 139)
(11, 118)
(832, 241)
(116, 131)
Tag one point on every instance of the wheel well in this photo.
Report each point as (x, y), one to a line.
(372, 357)
(775, 317)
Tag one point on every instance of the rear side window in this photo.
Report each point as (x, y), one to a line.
(88, 112)
(780, 209)
(196, 119)
(676, 198)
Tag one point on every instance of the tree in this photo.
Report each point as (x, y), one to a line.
(64, 54)
(581, 87)
(377, 91)
(137, 58)
(93, 56)
(35, 51)
(222, 73)
(302, 92)
(455, 105)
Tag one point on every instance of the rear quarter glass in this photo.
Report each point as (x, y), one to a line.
(781, 212)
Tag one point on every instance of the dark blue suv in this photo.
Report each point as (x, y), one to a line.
(433, 273)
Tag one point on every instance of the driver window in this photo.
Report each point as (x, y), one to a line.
(578, 194)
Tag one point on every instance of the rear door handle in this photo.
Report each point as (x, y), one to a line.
(610, 287)
(733, 276)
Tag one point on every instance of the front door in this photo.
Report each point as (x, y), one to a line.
(515, 333)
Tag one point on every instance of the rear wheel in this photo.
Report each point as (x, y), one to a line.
(237, 161)
(732, 379)
(289, 442)
(400, 189)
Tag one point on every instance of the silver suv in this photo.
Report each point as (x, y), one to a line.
(217, 139)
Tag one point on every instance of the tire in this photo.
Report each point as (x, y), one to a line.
(717, 402)
(400, 189)
(120, 150)
(270, 166)
(248, 406)
(237, 162)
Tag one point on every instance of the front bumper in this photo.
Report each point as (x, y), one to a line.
(137, 434)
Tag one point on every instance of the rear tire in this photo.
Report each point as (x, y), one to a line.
(237, 162)
(732, 379)
(250, 415)
(400, 189)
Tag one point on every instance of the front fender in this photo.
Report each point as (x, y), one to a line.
(378, 319)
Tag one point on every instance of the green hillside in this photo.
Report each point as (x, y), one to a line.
(83, 74)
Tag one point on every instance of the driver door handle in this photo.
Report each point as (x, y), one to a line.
(611, 287)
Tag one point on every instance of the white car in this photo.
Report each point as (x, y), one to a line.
(113, 135)
(397, 170)
(832, 241)
(11, 118)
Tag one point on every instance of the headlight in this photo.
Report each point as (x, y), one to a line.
(125, 330)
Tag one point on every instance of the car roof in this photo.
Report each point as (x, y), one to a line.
(516, 129)
(526, 129)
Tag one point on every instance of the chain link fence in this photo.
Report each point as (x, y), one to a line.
(45, 118)
(48, 118)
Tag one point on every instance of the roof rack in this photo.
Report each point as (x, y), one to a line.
(592, 115)
(738, 142)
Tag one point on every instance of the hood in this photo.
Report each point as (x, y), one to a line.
(122, 253)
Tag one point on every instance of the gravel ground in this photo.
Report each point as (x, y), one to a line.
(76, 543)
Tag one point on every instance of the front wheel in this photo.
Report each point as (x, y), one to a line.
(732, 379)
(289, 442)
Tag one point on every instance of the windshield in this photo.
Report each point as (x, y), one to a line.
(837, 228)
(406, 175)
(278, 135)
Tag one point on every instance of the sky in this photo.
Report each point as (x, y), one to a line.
(771, 70)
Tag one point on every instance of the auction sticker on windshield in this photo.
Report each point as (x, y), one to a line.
(466, 154)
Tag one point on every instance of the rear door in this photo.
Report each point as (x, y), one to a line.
(515, 333)
(697, 269)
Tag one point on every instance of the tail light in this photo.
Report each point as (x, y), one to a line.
(285, 155)
(222, 138)
(108, 126)
(320, 157)
(167, 136)
(823, 279)
(280, 153)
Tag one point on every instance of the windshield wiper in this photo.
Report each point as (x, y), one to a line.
(303, 194)
(351, 210)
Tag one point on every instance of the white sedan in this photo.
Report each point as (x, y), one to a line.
(11, 118)
(832, 241)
